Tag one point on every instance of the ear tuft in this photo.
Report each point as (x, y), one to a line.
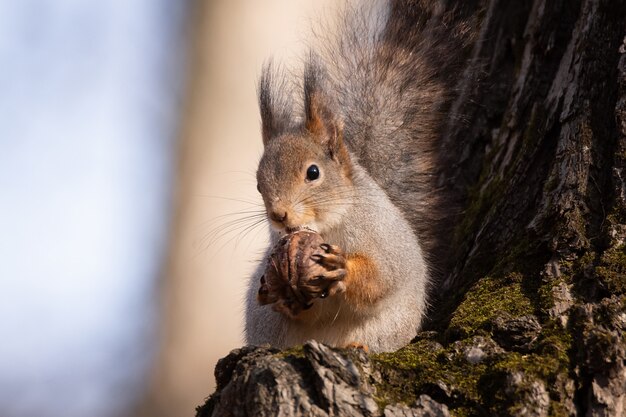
(274, 102)
(320, 121)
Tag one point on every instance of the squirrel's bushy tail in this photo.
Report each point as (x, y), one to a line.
(391, 73)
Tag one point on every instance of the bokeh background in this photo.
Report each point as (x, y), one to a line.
(129, 137)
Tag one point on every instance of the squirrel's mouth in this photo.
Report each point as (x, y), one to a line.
(290, 230)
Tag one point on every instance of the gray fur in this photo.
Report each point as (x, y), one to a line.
(378, 89)
(393, 84)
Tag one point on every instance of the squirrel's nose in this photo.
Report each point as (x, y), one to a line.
(279, 216)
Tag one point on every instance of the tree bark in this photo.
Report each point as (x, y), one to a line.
(531, 319)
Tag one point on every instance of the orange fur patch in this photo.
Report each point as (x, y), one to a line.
(363, 286)
(357, 345)
(315, 122)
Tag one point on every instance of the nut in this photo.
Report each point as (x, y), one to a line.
(285, 275)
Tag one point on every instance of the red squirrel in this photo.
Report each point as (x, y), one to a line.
(354, 164)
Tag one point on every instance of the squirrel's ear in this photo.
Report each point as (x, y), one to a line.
(274, 103)
(319, 119)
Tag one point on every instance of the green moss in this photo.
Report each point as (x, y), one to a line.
(549, 363)
(420, 354)
(463, 412)
(295, 352)
(585, 261)
(548, 292)
(548, 360)
(545, 295)
(398, 386)
(555, 342)
(427, 367)
(488, 298)
(612, 269)
(617, 215)
(444, 373)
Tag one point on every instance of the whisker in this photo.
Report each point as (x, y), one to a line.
(238, 200)
(336, 314)
(241, 234)
(240, 216)
(223, 229)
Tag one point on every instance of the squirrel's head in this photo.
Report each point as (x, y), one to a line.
(305, 174)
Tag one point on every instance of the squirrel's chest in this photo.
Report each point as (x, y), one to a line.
(346, 239)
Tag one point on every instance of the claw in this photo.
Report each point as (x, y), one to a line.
(293, 282)
(337, 288)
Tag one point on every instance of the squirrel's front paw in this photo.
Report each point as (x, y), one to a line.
(324, 274)
(300, 269)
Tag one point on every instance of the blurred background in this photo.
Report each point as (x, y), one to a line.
(129, 137)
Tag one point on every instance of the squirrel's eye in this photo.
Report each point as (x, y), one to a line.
(312, 173)
(258, 188)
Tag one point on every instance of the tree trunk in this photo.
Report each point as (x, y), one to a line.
(531, 320)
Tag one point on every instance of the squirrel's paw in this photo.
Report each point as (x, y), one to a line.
(299, 270)
(357, 345)
(325, 274)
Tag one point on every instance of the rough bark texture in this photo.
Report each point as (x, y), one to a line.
(531, 321)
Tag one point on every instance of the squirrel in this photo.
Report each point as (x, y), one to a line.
(358, 165)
